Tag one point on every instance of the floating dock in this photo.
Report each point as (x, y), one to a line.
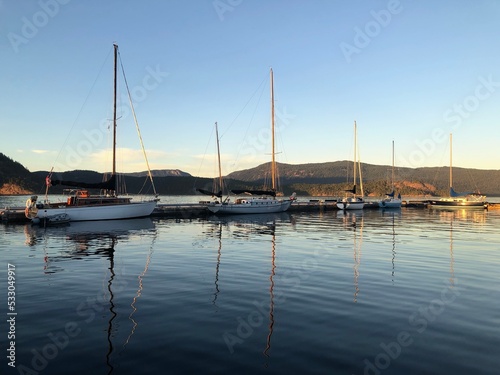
(199, 210)
(195, 210)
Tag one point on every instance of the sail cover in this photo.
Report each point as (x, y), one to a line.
(109, 184)
(211, 193)
(453, 193)
(390, 194)
(353, 190)
(272, 193)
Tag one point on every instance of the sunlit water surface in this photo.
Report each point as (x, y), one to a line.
(410, 291)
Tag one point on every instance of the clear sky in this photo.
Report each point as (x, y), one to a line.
(408, 71)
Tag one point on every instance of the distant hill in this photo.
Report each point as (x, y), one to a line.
(166, 183)
(429, 180)
(160, 173)
(14, 177)
(316, 179)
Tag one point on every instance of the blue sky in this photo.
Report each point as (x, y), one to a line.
(408, 71)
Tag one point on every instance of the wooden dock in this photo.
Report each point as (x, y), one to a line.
(13, 215)
(195, 210)
(199, 210)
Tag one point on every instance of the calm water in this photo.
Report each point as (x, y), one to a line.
(380, 292)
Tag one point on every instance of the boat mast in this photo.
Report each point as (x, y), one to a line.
(273, 163)
(393, 165)
(354, 159)
(218, 156)
(451, 155)
(114, 108)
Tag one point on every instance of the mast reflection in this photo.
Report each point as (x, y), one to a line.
(271, 291)
(219, 252)
(139, 292)
(95, 239)
(113, 314)
(454, 217)
(354, 220)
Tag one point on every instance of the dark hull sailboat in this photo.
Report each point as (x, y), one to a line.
(459, 200)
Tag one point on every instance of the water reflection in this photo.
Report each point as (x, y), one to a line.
(354, 221)
(98, 238)
(456, 219)
(271, 292)
(219, 253)
(246, 226)
(475, 216)
(139, 291)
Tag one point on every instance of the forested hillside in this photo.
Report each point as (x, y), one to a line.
(318, 179)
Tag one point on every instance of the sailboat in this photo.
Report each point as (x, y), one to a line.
(353, 202)
(259, 201)
(459, 200)
(389, 201)
(81, 205)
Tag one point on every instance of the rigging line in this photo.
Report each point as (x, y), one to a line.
(251, 120)
(137, 124)
(203, 159)
(83, 106)
(439, 171)
(246, 104)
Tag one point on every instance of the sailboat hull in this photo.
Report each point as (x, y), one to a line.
(104, 212)
(351, 204)
(251, 206)
(457, 203)
(390, 203)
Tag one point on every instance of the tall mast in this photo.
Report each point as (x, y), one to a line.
(273, 163)
(393, 164)
(218, 156)
(354, 159)
(451, 155)
(114, 109)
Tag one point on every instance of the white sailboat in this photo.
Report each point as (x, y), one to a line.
(81, 205)
(459, 200)
(353, 202)
(390, 201)
(258, 201)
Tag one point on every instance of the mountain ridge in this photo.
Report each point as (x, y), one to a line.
(326, 178)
